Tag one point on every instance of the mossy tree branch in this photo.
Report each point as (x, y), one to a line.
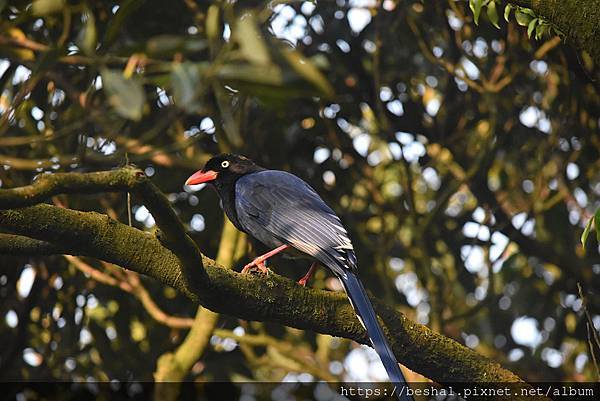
(19, 245)
(47, 185)
(251, 297)
(578, 19)
(173, 233)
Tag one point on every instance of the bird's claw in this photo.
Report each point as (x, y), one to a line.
(256, 264)
(303, 281)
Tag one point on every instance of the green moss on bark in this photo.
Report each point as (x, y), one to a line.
(253, 297)
(578, 19)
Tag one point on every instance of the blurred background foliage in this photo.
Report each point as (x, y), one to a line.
(463, 158)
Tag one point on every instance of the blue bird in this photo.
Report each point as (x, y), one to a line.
(286, 214)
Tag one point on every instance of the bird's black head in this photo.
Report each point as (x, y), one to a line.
(222, 169)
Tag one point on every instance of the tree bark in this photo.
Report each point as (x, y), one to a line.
(32, 230)
(578, 19)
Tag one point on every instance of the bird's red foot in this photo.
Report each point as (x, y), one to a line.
(303, 281)
(257, 263)
(308, 275)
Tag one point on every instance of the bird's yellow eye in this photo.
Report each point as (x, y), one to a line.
(225, 164)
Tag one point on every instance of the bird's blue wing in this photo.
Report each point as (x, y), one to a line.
(278, 207)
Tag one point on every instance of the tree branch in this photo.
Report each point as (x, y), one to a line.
(130, 283)
(47, 185)
(578, 19)
(18, 245)
(175, 238)
(271, 298)
(264, 298)
(124, 179)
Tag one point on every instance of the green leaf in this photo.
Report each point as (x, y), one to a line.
(252, 74)
(251, 41)
(126, 96)
(522, 18)
(476, 6)
(186, 83)
(527, 11)
(212, 22)
(596, 220)
(492, 14)
(586, 230)
(308, 71)
(531, 26)
(540, 30)
(507, 11)
(231, 120)
(45, 7)
(167, 45)
(87, 39)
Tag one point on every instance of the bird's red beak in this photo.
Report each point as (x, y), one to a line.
(200, 177)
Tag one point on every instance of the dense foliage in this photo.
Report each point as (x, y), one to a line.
(463, 159)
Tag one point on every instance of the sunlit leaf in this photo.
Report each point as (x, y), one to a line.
(212, 22)
(523, 19)
(126, 96)
(527, 11)
(45, 7)
(309, 72)
(507, 10)
(587, 229)
(492, 14)
(531, 26)
(476, 6)
(87, 39)
(540, 29)
(596, 220)
(251, 42)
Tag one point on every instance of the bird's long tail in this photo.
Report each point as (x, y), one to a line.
(364, 309)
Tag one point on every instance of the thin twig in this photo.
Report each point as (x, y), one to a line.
(133, 286)
(592, 333)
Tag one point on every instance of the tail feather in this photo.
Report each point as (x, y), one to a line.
(364, 309)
